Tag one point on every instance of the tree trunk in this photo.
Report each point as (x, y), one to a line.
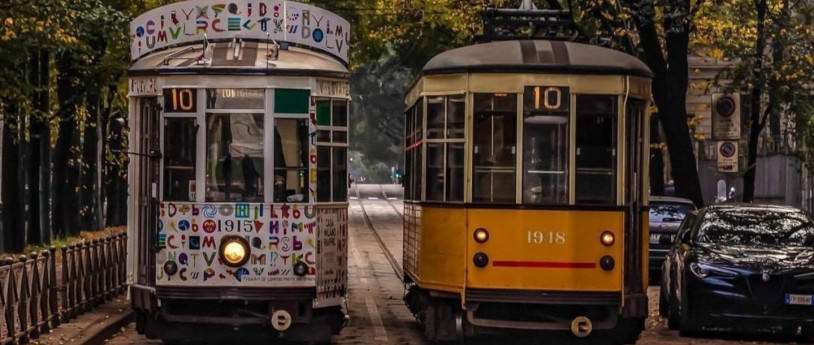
(90, 146)
(13, 221)
(670, 92)
(40, 173)
(756, 125)
(65, 196)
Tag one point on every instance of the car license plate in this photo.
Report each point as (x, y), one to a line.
(798, 299)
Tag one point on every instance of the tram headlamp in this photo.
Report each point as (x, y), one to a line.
(480, 260)
(170, 268)
(607, 263)
(481, 235)
(607, 238)
(234, 251)
(300, 269)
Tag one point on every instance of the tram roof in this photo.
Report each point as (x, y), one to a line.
(536, 56)
(252, 59)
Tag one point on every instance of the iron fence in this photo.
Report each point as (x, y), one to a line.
(40, 291)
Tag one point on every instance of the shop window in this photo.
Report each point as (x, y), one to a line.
(180, 145)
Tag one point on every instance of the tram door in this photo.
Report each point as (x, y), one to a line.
(148, 174)
(634, 148)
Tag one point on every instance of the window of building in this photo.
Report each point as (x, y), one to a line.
(494, 148)
(596, 149)
(180, 145)
(332, 151)
(234, 157)
(545, 145)
(445, 135)
(291, 160)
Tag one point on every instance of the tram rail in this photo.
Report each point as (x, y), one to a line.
(389, 255)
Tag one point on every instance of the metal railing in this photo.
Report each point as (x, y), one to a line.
(40, 291)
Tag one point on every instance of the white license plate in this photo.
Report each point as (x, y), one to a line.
(798, 299)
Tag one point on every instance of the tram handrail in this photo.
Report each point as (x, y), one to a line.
(34, 300)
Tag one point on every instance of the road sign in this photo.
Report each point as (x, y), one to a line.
(727, 156)
(726, 117)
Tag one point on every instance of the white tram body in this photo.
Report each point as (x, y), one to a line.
(238, 170)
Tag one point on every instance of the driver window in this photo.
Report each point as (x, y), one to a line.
(291, 160)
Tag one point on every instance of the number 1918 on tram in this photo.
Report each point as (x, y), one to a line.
(238, 175)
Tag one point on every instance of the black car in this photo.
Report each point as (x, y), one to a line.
(666, 214)
(741, 268)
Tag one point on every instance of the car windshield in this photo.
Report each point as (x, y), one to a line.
(757, 226)
(669, 212)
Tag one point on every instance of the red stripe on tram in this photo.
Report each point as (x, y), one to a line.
(544, 264)
(416, 144)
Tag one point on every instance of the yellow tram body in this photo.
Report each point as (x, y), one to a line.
(479, 259)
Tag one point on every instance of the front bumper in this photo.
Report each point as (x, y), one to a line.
(747, 304)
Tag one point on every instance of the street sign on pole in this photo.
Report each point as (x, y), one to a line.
(726, 117)
(727, 156)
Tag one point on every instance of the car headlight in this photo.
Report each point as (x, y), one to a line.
(234, 251)
(702, 270)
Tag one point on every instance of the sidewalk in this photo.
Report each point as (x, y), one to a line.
(91, 328)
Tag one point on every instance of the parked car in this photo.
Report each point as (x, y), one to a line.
(741, 267)
(666, 214)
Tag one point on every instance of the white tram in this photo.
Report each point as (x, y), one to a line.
(238, 173)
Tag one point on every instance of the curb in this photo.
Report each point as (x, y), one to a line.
(99, 332)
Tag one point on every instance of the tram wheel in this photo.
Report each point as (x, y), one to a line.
(141, 321)
(627, 330)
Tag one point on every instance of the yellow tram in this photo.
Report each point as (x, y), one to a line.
(526, 190)
(238, 178)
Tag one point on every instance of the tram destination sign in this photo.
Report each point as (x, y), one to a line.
(283, 21)
(180, 100)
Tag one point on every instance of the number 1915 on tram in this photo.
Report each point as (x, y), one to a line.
(238, 173)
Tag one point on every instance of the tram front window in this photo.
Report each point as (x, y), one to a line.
(494, 149)
(291, 160)
(596, 149)
(179, 158)
(234, 162)
(545, 145)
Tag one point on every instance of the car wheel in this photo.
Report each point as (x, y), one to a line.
(673, 311)
(686, 327)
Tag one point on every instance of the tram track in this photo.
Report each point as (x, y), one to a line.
(389, 255)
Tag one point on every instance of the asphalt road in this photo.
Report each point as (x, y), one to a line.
(378, 314)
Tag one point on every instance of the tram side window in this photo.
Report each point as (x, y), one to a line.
(545, 145)
(413, 125)
(180, 147)
(234, 158)
(290, 160)
(495, 148)
(596, 149)
(445, 116)
(332, 152)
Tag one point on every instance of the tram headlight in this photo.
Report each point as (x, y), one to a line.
(234, 251)
(300, 269)
(607, 263)
(481, 235)
(480, 260)
(607, 238)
